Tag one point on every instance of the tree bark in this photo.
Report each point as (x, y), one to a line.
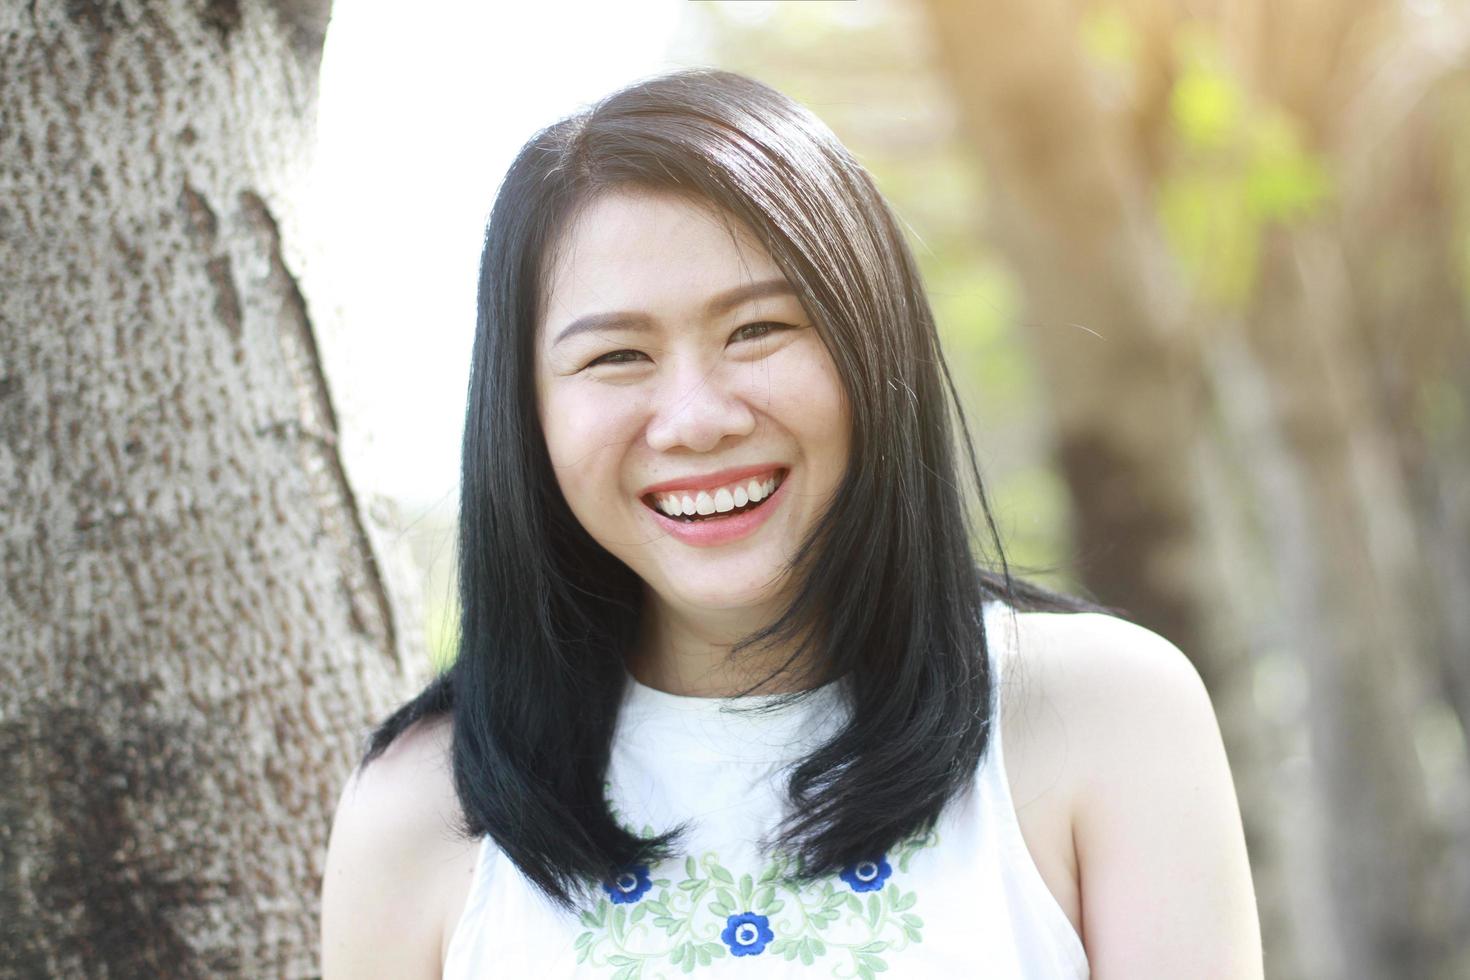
(198, 617)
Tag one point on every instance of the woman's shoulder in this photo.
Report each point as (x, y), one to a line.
(396, 861)
(1073, 680)
(1131, 739)
(1084, 698)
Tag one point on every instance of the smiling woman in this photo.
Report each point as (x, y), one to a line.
(730, 677)
(698, 407)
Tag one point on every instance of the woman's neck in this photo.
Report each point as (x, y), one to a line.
(687, 652)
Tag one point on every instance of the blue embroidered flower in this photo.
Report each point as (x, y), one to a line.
(747, 933)
(628, 885)
(867, 876)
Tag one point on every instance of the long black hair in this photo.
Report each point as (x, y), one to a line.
(889, 590)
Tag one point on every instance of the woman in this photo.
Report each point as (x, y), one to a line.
(732, 689)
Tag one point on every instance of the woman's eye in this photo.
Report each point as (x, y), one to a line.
(616, 357)
(770, 326)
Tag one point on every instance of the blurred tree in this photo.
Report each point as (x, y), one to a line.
(1271, 289)
(197, 616)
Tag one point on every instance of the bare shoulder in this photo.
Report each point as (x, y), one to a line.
(393, 847)
(1155, 817)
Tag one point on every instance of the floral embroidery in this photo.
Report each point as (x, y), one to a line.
(747, 933)
(867, 876)
(628, 885)
(651, 926)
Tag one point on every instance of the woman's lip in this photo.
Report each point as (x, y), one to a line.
(712, 481)
(721, 530)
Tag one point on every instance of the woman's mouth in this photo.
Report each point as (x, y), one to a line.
(732, 500)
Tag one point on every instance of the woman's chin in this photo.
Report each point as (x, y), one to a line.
(722, 595)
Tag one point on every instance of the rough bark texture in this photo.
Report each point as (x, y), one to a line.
(196, 615)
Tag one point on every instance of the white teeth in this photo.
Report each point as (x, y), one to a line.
(721, 501)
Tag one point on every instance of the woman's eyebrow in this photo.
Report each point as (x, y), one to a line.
(628, 320)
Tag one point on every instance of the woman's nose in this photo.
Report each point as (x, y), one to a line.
(697, 413)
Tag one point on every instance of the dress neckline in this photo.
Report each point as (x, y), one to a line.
(752, 728)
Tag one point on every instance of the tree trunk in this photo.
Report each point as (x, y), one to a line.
(197, 617)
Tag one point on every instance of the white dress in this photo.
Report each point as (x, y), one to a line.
(965, 901)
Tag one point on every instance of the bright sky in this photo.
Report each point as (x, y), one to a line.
(422, 108)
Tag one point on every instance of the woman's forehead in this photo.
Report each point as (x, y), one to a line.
(645, 249)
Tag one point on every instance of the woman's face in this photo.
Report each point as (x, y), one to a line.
(676, 370)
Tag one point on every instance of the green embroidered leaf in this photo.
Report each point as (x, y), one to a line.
(690, 871)
(907, 902)
(661, 882)
(775, 907)
(588, 919)
(819, 947)
(806, 952)
(678, 954)
(690, 885)
(727, 898)
(912, 933)
(704, 956)
(715, 950)
(638, 913)
(903, 860)
(720, 908)
(854, 904)
(720, 874)
(873, 947)
(626, 973)
(764, 898)
(910, 919)
(872, 962)
(888, 894)
(746, 888)
(864, 972)
(619, 919)
(874, 910)
(659, 908)
(778, 947)
(618, 959)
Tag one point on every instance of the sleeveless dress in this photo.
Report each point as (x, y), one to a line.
(965, 900)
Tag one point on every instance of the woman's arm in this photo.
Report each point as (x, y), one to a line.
(381, 911)
(1166, 884)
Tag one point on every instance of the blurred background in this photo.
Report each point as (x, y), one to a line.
(1203, 271)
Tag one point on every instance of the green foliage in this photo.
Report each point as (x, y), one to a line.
(1110, 39)
(1237, 168)
(441, 625)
